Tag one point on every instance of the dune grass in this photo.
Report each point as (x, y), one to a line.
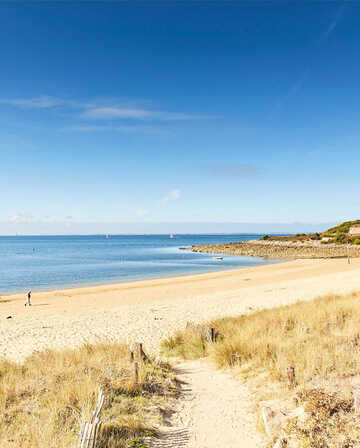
(320, 339)
(44, 400)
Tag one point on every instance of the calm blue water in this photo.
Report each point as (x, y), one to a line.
(64, 261)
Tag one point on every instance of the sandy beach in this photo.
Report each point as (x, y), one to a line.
(147, 311)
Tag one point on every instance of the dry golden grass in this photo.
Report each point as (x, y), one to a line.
(320, 339)
(44, 401)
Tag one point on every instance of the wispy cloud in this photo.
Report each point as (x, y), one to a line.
(173, 195)
(44, 102)
(21, 218)
(239, 170)
(334, 23)
(101, 110)
(300, 81)
(292, 91)
(168, 116)
(116, 112)
(127, 129)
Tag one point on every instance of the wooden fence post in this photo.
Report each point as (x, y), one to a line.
(90, 430)
(140, 351)
(212, 334)
(140, 354)
(356, 394)
(290, 371)
(131, 349)
(136, 373)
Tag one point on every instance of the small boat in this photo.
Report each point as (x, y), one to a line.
(171, 235)
(217, 258)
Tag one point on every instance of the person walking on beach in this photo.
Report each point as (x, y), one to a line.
(28, 301)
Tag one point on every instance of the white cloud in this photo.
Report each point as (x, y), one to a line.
(173, 195)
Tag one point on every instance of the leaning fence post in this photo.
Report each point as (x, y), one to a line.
(81, 435)
(136, 373)
(140, 352)
(356, 394)
(131, 349)
(90, 429)
(290, 371)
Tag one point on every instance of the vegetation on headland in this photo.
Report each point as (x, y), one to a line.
(320, 339)
(44, 401)
(338, 235)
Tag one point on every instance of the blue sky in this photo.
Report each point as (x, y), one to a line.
(179, 112)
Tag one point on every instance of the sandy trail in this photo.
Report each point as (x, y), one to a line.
(213, 411)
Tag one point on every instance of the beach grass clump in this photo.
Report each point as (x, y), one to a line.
(44, 401)
(189, 344)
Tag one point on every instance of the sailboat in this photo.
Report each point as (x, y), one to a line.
(171, 235)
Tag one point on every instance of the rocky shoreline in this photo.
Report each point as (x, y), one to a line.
(281, 249)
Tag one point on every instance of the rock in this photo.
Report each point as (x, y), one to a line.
(273, 421)
(281, 249)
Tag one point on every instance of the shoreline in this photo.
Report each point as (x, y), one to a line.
(150, 310)
(135, 284)
(118, 283)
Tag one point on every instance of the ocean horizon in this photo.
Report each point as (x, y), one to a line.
(65, 261)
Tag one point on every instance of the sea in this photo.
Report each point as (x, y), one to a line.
(51, 262)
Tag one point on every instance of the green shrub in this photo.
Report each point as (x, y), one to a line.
(341, 238)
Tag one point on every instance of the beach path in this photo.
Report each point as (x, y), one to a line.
(213, 411)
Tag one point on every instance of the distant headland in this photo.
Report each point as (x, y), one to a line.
(340, 241)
